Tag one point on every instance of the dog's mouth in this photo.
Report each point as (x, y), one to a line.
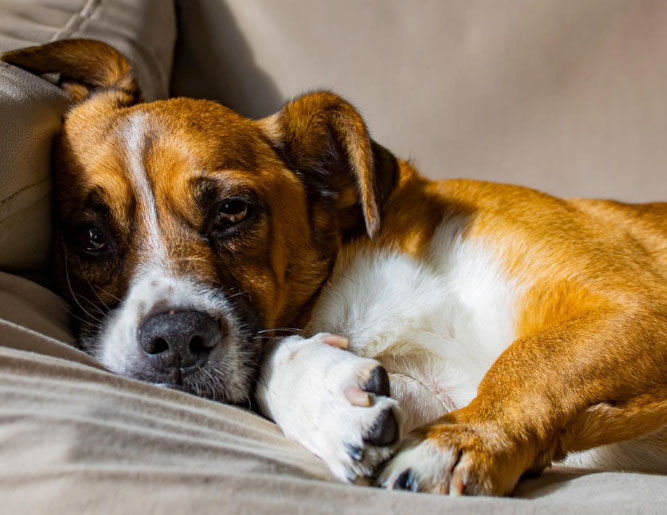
(227, 375)
(200, 342)
(223, 369)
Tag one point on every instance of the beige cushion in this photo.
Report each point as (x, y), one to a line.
(565, 96)
(30, 107)
(77, 439)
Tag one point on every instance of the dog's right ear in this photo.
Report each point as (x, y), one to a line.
(84, 65)
(326, 142)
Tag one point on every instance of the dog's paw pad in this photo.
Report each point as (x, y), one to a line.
(384, 430)
(405, 481)
(377, 382)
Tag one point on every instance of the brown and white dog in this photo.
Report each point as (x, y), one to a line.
(516, 328)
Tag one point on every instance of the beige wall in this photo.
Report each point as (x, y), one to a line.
(565, 96)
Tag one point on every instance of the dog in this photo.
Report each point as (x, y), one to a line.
(438, 336)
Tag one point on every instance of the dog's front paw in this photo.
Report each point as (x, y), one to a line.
(455, 459)
(339, 406)
(359, 429)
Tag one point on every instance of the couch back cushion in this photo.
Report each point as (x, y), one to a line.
(567, 97)
(31, 107)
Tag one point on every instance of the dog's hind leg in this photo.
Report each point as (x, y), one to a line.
(609, 432)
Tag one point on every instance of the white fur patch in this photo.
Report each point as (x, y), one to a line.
(155, 292)
(428, 466)
(645, 454)
(441, 321)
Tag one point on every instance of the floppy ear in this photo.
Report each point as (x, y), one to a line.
(84, 65)
(325, 141)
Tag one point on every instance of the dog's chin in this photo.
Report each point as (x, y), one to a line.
(206, 382)
(206, 389)
(228, 377)
(224, 369)
(210, 382)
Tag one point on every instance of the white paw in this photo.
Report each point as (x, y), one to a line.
(456, 459)
(333, 402)
(421, 467)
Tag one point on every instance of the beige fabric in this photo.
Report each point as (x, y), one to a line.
(30, 107)
(76, 439)
(565, 96)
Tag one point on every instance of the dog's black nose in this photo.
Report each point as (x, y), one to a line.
(179, 339)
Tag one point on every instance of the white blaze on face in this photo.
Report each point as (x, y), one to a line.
(155, 288)
(135, 136)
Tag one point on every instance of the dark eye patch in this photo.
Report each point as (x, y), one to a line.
(90, 239)
(227, 213)
(90, 231)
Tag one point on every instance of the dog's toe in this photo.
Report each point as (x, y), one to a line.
(405, 481)
(378, 382)
(355, 451)
(384, 430)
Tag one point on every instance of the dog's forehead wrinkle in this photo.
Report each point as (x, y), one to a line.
(136, 138)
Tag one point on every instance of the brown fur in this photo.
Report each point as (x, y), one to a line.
(589, 366)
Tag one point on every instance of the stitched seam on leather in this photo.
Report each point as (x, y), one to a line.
(77, 20)
(85, 14)
(25, 189)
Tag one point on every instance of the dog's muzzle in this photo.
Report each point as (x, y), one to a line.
(175, 344)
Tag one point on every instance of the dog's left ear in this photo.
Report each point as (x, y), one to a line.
(326, 142)
(85, 66)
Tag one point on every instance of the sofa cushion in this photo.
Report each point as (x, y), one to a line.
(31, 107)
(77, 439)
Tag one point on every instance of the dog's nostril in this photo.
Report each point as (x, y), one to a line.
(156, 346)
(179, 339)
(197, 346)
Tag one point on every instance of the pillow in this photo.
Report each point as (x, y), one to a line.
(31, 107)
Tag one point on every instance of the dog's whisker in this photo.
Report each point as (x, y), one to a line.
(294, 330)
(238, 294)
(92, 305)
(87, 322)
(92, 287)
(74, 295)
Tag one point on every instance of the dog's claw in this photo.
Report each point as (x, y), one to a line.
(355, 452)
(357, 397)
(335, 341)
(456, 484)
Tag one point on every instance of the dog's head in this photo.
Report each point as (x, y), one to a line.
(186, 233)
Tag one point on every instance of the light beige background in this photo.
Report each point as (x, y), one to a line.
(565, 96)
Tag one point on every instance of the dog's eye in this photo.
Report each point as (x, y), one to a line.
(232, 211)
(91, 239)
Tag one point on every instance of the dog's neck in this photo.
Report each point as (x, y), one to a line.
(411, 214)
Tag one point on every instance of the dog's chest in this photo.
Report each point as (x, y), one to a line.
(440, 321)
